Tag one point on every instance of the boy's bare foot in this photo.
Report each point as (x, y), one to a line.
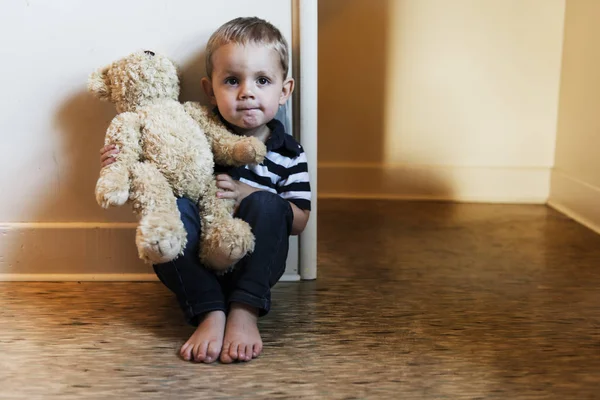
(242, 340)
(206, 342)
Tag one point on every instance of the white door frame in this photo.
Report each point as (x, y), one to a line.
(305, 69)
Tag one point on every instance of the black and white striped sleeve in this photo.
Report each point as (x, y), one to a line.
(295, 187)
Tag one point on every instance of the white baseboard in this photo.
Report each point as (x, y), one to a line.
(576, 199)
(78, 252)
(450, 183)
(68, 249)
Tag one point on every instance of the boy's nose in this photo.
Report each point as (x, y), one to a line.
(246, 92)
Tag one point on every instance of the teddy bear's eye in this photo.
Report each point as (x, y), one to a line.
(150, 53)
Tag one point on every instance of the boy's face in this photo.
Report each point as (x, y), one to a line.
(247, 84)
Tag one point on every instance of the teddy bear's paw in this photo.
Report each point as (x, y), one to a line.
(220, 259)
(160, 238)
(244, 153)
(112, 199)
(161, 251)
(228, 245)
(241, 239)
(249, 151)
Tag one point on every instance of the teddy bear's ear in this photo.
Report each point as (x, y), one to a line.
(98, 84)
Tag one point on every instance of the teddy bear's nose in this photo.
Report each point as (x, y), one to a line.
(150, 53)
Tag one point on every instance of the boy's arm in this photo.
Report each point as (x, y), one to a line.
(238, 191)
(295, 188)
(300, 219)
(227, 148)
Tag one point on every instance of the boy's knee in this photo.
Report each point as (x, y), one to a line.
(265, 203)
(263, 200)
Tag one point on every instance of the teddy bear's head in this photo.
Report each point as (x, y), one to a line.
(136, 80)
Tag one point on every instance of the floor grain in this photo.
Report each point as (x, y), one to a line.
(414, 300)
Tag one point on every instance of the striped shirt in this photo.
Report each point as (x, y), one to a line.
(284, 170)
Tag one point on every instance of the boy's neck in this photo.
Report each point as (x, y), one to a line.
(262, 132)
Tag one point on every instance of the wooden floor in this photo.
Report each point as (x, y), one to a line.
(413, 301)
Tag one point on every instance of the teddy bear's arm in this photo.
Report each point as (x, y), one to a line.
(124, 132)
(112, 188)
(227, 148)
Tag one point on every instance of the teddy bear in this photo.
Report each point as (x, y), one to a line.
(168, 150)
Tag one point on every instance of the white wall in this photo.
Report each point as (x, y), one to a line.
(576, 175)
(439, 99)
(52, 128)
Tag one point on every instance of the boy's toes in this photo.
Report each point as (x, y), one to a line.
(186, 351)
(233, 351)
(212, 353)
(225, 357)
(200, 352)
(241, 355)
(248, 353)
(256, 350)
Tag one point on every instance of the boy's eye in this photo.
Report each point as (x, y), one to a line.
(231, 81)
(262, 80)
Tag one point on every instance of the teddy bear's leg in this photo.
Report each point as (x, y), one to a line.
(160, 236)
(112, 188)
(225, 240)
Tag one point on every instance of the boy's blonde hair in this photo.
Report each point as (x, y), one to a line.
(246, 30)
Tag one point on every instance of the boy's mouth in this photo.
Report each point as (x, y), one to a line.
(247, 108)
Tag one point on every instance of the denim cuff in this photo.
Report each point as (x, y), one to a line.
(241, 296)
(194, 313)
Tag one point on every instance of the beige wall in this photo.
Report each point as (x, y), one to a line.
(438, 99)
(576, 176)
(52, 127)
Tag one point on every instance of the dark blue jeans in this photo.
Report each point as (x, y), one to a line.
(199, 290)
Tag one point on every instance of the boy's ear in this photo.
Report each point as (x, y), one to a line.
(286, 91)
(208, 89)
(99, 84)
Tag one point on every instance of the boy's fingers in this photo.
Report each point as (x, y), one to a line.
(108, 154)
(225, 185)
(223, 177)
(225, 188)
(226, 195)
(106, 148)
(107, 162)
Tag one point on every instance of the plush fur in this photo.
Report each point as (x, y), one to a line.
(167, 150)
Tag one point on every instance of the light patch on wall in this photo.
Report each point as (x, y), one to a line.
(473, 83)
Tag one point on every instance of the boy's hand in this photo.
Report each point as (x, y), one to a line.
(107, 155)
(232, 189)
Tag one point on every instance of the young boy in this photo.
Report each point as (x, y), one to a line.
(247, 66)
